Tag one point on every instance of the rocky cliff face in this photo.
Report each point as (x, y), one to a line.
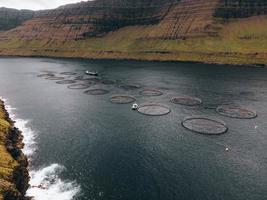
(97, 29)
(175, 19)
(14, 175)
(241, 8)
(11, 18)
(93, 18)
(188, 18)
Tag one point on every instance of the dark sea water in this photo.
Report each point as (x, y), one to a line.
(88, 148)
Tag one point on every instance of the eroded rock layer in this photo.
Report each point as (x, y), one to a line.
(241, 8)
(93, 18)
(220, 31)
(188, 18)
(175, 19)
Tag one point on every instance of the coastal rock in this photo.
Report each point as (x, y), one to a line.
(14, 181)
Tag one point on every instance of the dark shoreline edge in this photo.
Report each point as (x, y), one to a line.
(14, 145)
(250, 65)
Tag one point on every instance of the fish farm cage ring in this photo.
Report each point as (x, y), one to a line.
(205, 126)
(78, 86)
(121, 99)
(151, 92)
(153, 109)
(96, 92)
(45, 75)
(55, 78)
(68, 73)
(186, 100)
(81, 78)
(66, 82)
(234, 111)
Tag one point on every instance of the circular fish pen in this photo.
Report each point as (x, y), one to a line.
(151, 92)
(154, 109)
(122, 99)
(81, 78)
(68, 73)
(66, 82)
(234, 111)
(205, 126)
(78, 86)
(186, 101)
(96, 92)
(55, 78)
(45, 75)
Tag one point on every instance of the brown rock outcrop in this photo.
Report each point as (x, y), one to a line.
(174, 19)
(145, 29)
(14, 176)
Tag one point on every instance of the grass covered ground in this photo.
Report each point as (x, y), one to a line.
(239, 41)
(7, 163)
(13, 164)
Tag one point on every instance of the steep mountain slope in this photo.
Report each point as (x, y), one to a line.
(221, 31)
(11, 18)
(93, 18)
(241, 8)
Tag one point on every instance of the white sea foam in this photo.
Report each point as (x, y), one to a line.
(45, 183)
(29, 135)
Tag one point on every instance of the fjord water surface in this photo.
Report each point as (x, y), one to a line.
(100, 150)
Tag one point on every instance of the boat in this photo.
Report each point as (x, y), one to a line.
(135, 106)
(91, 73)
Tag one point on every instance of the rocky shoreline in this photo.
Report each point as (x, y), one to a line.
(14, 175)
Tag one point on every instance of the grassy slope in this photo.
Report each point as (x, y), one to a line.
(240, 41)
(7, 163)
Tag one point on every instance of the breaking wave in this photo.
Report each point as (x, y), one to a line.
(45, 183)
